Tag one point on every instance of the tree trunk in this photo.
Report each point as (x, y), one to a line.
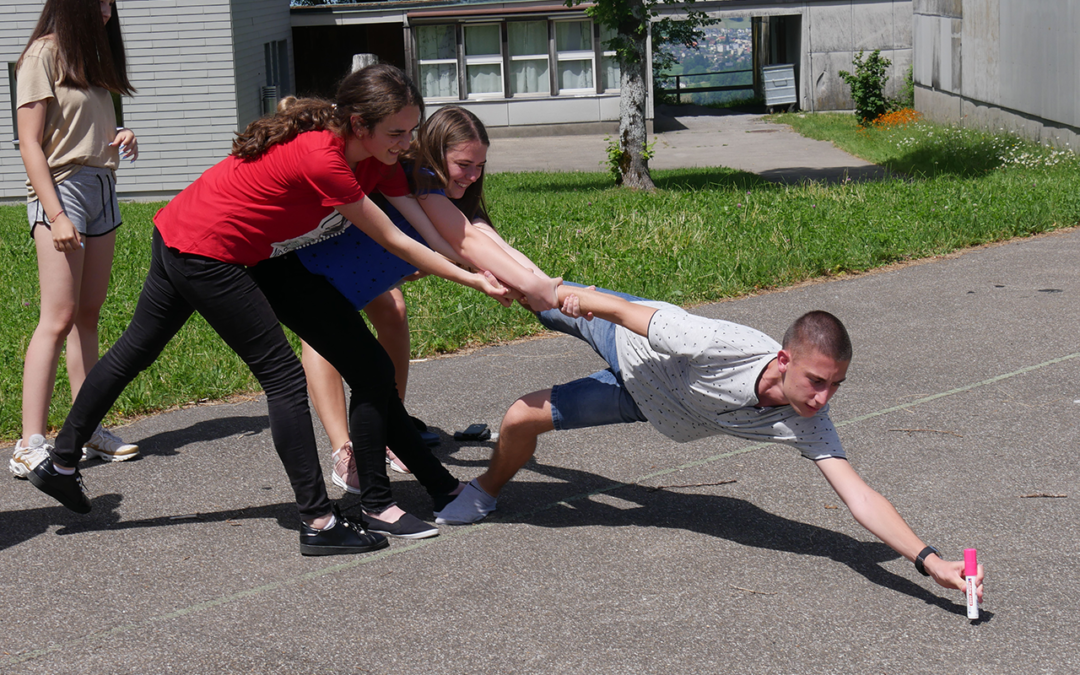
(633, 165)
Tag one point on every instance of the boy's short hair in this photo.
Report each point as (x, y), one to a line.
(821, 332)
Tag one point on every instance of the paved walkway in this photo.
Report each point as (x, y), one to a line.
(694, 136)
(615, 551)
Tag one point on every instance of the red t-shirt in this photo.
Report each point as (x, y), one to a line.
(244, 212)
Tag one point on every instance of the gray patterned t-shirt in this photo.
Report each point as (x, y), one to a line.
(695, 377)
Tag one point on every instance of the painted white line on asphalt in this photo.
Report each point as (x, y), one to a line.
(466, 531)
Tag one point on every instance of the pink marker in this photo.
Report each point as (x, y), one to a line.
(971, 571)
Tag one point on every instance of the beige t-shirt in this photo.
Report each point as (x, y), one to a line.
(79, 124)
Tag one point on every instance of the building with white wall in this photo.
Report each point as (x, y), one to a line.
(199, 66)
(822, 37)
(1000, 65)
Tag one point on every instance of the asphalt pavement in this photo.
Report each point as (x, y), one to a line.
(615, 550)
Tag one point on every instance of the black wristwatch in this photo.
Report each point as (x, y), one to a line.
(922, 556)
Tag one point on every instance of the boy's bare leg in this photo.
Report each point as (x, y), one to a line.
(526, 419)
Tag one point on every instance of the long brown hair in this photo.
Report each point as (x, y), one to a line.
(91, 54)
(448, 127)
(370, 94)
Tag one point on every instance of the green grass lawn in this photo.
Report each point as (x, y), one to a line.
(705, 234)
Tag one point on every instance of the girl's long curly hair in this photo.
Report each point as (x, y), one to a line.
(448, 127)
(91, 53)
(364, 98)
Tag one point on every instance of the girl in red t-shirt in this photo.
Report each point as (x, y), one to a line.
(288, 176)
(450, 154)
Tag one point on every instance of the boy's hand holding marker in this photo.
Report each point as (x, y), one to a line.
(953, 573)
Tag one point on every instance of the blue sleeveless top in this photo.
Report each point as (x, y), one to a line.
(356, 264)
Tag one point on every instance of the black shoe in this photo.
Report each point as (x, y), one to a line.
(407, 527)
(68, 490)
(439, 502)
(431, 439)
(346, 536)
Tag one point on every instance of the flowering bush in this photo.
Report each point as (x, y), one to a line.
(897, 118)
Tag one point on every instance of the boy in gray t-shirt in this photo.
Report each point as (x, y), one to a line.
(692, 377)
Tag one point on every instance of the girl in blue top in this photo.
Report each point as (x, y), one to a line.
(448, 171)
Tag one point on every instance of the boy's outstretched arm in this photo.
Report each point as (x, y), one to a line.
(878, 515)
(588, 303)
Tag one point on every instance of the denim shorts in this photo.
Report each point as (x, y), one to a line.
(600, 398)
(88, 198)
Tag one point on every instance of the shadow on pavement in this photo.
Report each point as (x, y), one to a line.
(25, 524)
(798, 175)
(736, 520)
(168, 442)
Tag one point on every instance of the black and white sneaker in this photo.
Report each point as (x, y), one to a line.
(68, 490)
(346, 536)
(407, 527)
(26, 457)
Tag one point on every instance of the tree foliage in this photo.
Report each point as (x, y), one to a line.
(630, 21)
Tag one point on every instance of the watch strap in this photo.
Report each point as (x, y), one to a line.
(922, 556)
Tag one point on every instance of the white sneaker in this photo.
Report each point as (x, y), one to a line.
(106, 445)
(26, 457)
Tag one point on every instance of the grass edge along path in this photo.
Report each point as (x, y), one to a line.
(705, 235)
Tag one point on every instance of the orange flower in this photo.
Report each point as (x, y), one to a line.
(898, 118)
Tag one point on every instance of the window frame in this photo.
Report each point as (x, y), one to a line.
(576, 55)
(545, 56)
(484, 59)
(603, 53)
(455, 61)
(594, 55)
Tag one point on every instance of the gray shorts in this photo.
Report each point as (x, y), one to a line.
(88, 198)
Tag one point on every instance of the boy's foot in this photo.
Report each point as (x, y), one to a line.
(471, 506)
(68, 490)
(106, 445)
(344, 474)
(407, 526)
(346, 536)
(26, 457)
(395, 463)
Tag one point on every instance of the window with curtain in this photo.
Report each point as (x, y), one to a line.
(528, 43)
(437, 51)
(574, 55)
(483, 60)
(609, 75)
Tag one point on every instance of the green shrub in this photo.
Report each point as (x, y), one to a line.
(906, 99)
(868, 86)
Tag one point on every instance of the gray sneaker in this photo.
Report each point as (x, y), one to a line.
(106, 445)
(471, 506)
(26, 457)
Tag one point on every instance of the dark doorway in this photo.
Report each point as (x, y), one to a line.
(323, 54)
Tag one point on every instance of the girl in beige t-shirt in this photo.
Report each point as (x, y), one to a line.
(70, 144)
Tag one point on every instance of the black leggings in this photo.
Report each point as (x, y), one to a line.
(377, 418)
(228, 298)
